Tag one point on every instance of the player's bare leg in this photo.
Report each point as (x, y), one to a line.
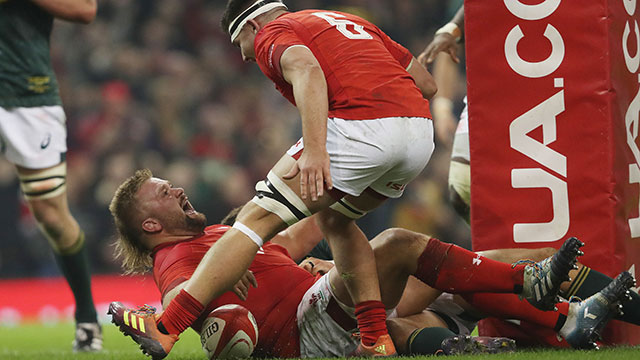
(352, 255)
(356, 266)
(47, 199)
(53, 215)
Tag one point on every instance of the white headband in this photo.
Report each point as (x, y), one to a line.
(258, 8)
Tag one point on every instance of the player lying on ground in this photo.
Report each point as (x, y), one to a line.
(466, 310)
(297, 313)
(422, 306)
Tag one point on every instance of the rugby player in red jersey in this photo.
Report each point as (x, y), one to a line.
(298, 314)
(366, 133)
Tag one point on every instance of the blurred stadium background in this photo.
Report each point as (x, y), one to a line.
(156, 83)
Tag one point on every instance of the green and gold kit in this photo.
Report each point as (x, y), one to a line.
(26, 74)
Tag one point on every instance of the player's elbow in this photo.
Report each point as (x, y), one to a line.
(428, 88)
(423, 80)
(88, 15)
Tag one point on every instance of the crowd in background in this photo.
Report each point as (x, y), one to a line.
(157, 84)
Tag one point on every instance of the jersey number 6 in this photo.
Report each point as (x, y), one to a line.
(341, 24)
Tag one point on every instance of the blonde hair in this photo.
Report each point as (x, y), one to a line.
(136, 258)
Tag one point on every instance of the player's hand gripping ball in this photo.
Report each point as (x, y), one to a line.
(229, 332)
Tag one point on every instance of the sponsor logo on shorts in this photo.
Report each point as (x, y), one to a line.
(315, 297)
(396, 186)
(45, 142)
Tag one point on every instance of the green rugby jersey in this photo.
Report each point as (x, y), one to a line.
(26, 75)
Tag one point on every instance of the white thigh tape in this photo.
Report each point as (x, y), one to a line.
(45, 184)
(276, 197)
(347, 209)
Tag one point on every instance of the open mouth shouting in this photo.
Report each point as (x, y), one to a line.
(187, 207)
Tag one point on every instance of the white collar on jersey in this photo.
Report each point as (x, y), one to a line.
(258, 8)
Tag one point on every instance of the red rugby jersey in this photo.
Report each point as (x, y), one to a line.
(365, 70)
(281, 285)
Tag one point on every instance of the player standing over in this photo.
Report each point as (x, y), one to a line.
(33, 136)
(366, 130)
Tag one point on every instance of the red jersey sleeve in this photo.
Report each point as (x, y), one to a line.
(269, 45)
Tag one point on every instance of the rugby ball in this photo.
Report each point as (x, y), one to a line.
(229, 332)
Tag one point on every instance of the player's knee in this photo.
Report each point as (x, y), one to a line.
(458, 203)
(46, 213)
(51, 218)
(262, 225)
(330, 221)
(399, 239)
(274, 196)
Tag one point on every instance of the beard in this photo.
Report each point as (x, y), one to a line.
(196, 223)
(183, 224)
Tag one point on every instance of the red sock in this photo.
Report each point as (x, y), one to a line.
(182, 311)
(371, 318)
(508, 306)
(453, 269)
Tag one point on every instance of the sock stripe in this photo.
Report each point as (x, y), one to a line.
(412, 337)
(562, 319)
(73, 249)
(577, 282)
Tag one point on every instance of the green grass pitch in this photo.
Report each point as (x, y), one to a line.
(54, 342)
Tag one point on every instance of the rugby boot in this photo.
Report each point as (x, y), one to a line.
(88, 337)
(382, 348)
(465, 345)
(542, 279)
(141, 325)
(587, 318)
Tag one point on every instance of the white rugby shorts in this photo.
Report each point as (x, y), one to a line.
(384, 154)
(34, 137)
(320, 335)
